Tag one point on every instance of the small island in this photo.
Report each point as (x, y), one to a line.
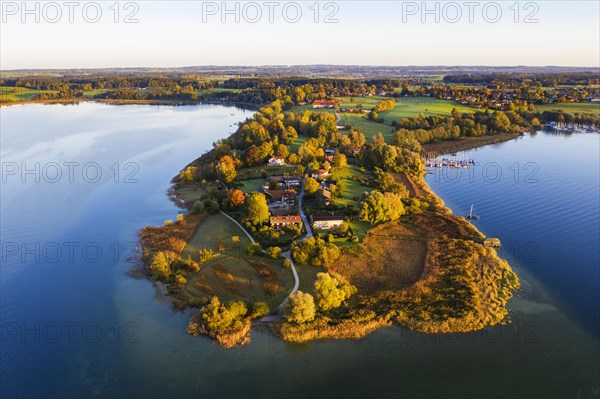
(299, 221)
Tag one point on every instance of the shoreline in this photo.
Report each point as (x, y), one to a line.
(470, 143)
(444, 233)
(131, 102)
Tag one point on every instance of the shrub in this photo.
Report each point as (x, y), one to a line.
(168, 222)
(274, 252)
(253, 249)
(286, 263)
(260, 309)
(198, 207)
(180, 218)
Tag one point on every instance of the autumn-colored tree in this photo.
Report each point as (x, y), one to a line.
(235, 197)
(339, 160)
(226, 168)
(311, 186)
(252, 156)
(257, 210)
(330, 292)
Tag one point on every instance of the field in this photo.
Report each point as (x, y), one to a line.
(367, 127)
(407, 107)
(261, 172)
(218, 90)
(190, 192)
(589, 108)
(392, 257)
(232, 275)
(353, 102)
(20, 93)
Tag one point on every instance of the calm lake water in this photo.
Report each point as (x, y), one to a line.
(75, 324)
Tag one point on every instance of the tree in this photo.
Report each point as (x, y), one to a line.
(253, 249)
(252, 156)
(357, 138)
(217, 316)
(257, 210)
(377, 207)
(311, 186)
(339, 160)
(160, 265)
(235, 197)
(226, 168)
(300, 308)
(260, 309)
(188, 174)
(387, 183)
(331, 292)
(282, 150)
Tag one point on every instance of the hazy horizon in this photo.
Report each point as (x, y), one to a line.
(160, 34)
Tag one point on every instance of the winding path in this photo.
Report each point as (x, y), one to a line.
(240, 226)
(286, 254)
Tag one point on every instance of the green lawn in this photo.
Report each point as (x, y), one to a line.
(251, 185)
(367, 127)
(232, 275)
(588, 108)
(218, 90)
(366, 101)
(352, 190)
(407, 107)
(190, 192)
(8, 93)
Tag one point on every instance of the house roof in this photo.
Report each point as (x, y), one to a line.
(279, 194)
(324, 102)
(285, 219)
(324, 218)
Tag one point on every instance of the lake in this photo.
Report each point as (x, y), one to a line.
(80, 180)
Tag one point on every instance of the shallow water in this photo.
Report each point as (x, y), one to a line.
(80, 326)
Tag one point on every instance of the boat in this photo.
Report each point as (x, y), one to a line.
(471, 215)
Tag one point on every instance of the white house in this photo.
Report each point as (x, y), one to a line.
(277, 161)
(327, 222)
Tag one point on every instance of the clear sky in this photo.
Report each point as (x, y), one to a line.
(186, 33)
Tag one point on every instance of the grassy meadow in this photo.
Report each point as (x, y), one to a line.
(232, 275)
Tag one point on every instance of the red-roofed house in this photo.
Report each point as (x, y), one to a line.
(283, 221)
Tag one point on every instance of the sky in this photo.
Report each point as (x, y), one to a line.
(87, 34)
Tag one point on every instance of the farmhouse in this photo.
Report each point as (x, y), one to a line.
(277, 161)
(285, 181)
(323, 104)
(284, 221)
(327, 222)
(281, 196)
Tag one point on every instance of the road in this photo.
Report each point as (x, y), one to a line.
(287, 254)
(309, 232)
